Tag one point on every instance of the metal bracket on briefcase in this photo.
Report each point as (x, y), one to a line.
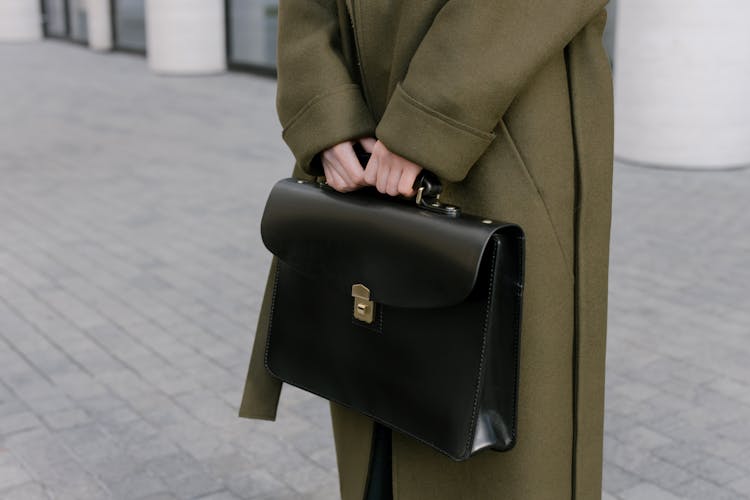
(427, 186)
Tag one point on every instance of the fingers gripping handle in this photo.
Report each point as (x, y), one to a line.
(427, 185)
(426, 179)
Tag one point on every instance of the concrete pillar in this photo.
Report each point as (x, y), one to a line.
(99, 16)
(20, 20)
(682, 74)
(185, 36)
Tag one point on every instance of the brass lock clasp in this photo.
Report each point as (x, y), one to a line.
(364, 308)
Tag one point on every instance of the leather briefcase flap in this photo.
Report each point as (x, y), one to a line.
(406, 256)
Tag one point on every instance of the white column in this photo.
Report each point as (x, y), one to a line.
(185, 36)
(20, 20)
(682, 82)
(99, 19)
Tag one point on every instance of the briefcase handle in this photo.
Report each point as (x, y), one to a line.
(427, 185)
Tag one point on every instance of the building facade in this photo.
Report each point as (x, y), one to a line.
(681, 67)
(245, 29)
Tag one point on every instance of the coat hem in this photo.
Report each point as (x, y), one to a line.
(257, 416)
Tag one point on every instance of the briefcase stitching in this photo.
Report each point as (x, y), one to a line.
(517, 339)
(270, 317)
(473, 420)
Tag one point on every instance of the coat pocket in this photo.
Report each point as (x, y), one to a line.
(521, 162)
(529, 178)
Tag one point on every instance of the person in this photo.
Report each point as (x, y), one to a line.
(509, 103)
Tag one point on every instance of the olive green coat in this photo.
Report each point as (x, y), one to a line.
(510, 103)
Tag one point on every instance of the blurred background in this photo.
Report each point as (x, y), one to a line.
(138, 142)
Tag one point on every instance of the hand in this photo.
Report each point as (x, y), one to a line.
(389, 172)
(342, 168)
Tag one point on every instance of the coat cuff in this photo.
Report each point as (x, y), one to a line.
(260, 399)
(326, 120)
(433, 140)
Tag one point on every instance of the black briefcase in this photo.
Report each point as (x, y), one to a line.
(407, 312)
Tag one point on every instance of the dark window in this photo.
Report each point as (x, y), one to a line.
(55, 21)
(77, 19)
(251, 32)
(130, 24)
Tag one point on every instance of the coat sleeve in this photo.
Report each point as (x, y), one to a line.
(474, 59)
(317, 101)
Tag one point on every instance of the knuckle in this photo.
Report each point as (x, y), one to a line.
(357, 177)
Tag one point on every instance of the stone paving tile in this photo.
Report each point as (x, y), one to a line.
(647, 491)
(741, 486)
(131, 273)
(27, 491)
(221, 495)
(12, 475)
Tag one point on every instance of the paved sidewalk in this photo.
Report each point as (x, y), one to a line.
(131, 271)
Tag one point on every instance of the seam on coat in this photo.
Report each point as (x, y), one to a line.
(527, 173)
(480, 375)
(368, 476)
(360, 8)
(576, 318)
(487, 136)
(314, 100)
